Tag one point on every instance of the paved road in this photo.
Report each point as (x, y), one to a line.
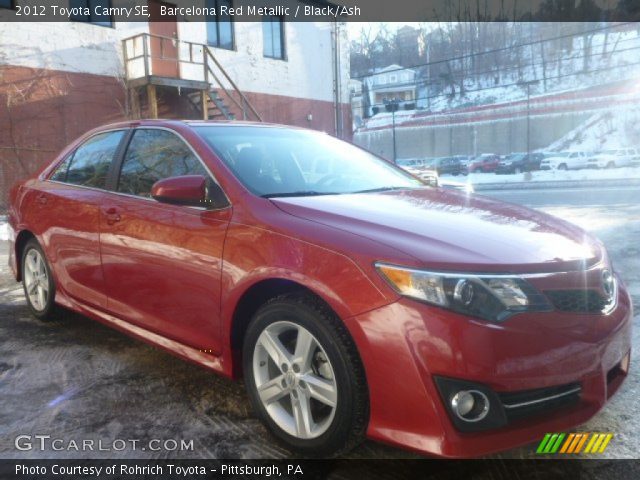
(576, 197)
(76, 379)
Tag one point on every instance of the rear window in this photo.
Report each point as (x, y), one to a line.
(89, 165)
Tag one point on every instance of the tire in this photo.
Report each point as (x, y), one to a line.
(338, 422)
(611, 165)
(563, 166)
(37, 282)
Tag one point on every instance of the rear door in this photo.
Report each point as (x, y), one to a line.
(69, 213)
(162, 263)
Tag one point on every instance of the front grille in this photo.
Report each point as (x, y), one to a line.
(527, 403)
(578, 301)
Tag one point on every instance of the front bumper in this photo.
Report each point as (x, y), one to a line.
(405, 345)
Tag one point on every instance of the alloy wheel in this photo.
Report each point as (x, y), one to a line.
(36, 280)
(295, 380)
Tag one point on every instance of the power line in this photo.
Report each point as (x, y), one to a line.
(501, 49)
(550, 63)
(513, 84)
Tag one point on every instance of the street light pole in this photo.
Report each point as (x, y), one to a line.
(528, 121)
(394, 105)
(393, 116)
(528, 85)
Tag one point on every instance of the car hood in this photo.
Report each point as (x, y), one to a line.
(449, 230)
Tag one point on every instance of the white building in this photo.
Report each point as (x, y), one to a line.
(62, 79)
(391, 84)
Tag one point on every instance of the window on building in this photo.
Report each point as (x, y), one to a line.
(154, 155)
(95, 7)
(6, 3)
(220, 26)
(89, 165)
(273, 37)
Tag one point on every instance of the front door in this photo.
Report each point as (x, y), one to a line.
(164, 41)
(162, 263)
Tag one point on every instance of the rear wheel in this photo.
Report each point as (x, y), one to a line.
(37, 281)
(562, 166)
(304, 377)
(611, 165)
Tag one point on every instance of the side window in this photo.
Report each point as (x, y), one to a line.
(60, 173)
(90, 163)
(154, 155)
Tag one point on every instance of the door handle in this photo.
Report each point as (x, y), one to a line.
(112, 216)
(41, 199)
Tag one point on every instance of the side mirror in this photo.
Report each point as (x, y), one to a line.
(190, 190)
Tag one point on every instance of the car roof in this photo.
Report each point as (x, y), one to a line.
(177, 123)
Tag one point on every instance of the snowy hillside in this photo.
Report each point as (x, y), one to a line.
(611, 58)
(608, 130)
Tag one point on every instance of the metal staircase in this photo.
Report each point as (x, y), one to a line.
(216, 107)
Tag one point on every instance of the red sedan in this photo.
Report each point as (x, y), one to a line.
(354, 300)
(485, 163)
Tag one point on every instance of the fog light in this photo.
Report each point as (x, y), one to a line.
(470, 405)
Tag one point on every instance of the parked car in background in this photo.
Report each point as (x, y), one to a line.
(410, 162)
(447, 166)
(566, 161)
(464, 163)
(427, 174)
(520, 162)
(614, 158)
(485, 163)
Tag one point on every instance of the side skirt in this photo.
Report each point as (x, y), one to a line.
(194, 355)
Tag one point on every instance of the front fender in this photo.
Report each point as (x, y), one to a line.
(253, 254)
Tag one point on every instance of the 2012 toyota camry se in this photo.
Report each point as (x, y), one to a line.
(354, 300)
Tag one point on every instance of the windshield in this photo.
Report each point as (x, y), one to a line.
(274, 162)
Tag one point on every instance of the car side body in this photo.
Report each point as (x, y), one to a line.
(566, 161)
(190, 279)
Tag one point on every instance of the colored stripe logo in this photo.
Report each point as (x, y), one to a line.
(574, 443)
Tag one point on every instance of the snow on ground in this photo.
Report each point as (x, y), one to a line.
(4, 229)
(549, 176)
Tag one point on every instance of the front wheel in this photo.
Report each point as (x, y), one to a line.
(304, 376)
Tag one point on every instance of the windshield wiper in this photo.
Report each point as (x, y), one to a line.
(382, 189)
(301, 193)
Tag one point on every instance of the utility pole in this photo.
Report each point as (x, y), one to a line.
(394, 106)
(528, 85)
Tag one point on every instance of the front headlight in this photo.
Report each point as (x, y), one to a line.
(492, 298)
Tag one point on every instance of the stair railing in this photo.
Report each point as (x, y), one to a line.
(243, 103)
(138, 49)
